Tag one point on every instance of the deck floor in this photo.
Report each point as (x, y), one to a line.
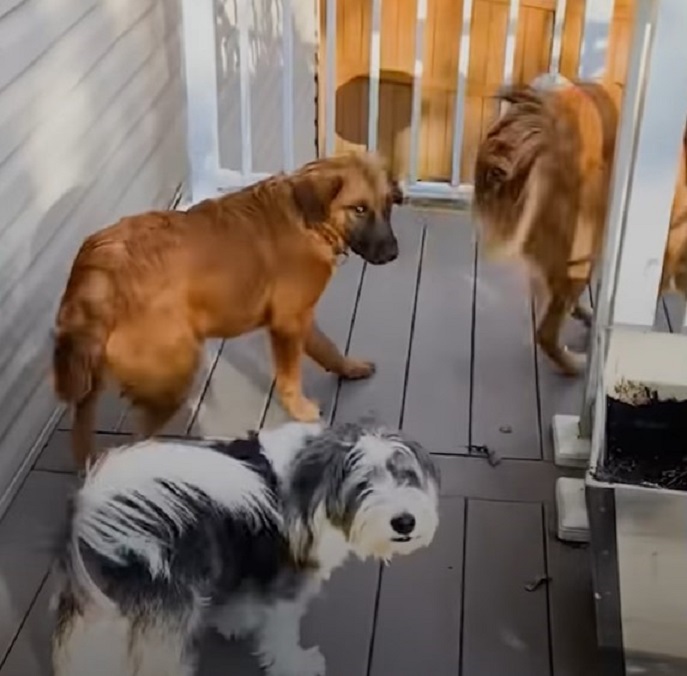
(457, 368)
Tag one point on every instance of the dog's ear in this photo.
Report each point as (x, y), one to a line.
(314, 195)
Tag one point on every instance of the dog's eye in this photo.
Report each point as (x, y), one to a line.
(360, 209)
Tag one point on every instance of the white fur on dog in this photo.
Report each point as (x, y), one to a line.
(139, 473)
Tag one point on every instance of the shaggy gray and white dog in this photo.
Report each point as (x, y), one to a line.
(168, 538)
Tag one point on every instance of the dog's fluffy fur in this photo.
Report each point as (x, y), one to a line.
(169, 537)
(542, 179)
(144, 293)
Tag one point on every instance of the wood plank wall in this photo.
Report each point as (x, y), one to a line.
(442, 46)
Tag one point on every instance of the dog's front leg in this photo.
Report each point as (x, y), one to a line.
(287, 347)
(322, 350)
(279, 648)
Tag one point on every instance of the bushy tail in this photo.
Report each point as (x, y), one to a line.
(84, 322)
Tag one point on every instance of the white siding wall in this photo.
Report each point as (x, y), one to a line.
(265, 68)
(91, 128)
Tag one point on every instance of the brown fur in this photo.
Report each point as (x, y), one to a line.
(541, 188)
(675, 260)
(542, 179)
(144, 293)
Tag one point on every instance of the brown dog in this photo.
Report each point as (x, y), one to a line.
(144, 293)
(675, 260)
(542, 179)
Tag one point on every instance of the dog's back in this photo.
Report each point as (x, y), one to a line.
(542, 172)
(151, 533)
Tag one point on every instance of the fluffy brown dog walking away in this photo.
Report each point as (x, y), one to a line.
(542, 179)
(541, 187)
(145, 293)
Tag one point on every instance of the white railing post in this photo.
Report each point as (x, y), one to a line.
(416, 110)
(288, 130)
(244, 90)
(622, 169)
(330, 79)
(598, 16)
(375, 62)
(652, 186)
(511, 38)
(461, 93)
(200, 66)
(557, 39)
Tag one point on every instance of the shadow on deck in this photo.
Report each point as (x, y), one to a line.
(457, 368)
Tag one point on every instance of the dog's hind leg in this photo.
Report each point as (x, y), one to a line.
(279, 643)
(156, 375)
(322, 350)
(82, 427)
(107, 644)
(562, 299)
(104, 642)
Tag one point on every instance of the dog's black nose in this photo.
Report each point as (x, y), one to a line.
(403, 524)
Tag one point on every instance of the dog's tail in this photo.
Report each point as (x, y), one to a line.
(140, 499)
(84, 321)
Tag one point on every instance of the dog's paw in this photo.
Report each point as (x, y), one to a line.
(308, 662)
(583, 314)
(356, 369)
(574, 362)
(303, 410)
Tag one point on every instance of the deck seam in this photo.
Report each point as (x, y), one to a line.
(375, 614)
(461, 636)
(547, 569)
(535, 354)
(206, 385)
(354, 314)
(473, 333)
(413, 318)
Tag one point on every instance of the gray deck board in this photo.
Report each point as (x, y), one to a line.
(28, 534)
(416, 634)
(505, 627)
(428, 613)
(437, 405)
(504, 364)
(111, 410)
(382, 327)
(341, 619)
(56, 456)
(238, 388)
(571, 600)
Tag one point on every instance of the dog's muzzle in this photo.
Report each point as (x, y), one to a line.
(383, 252)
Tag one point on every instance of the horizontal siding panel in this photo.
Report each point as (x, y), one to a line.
(70, 167)
(28, 32)
(62, 68)
(94, 110)
(25, 304)
(54, 155)
(132, 169)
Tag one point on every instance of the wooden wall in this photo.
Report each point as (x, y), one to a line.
(441, 49)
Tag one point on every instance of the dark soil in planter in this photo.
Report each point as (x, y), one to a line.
(646, 443)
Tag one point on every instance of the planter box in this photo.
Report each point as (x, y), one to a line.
(636, 491)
